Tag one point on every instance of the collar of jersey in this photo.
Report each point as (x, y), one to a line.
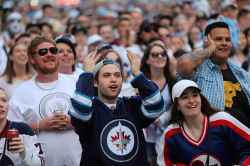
(202, 136)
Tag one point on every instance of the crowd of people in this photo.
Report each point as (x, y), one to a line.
(157, 84)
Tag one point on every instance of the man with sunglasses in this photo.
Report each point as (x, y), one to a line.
(44, 101)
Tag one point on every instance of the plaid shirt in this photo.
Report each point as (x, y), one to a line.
(210, 80)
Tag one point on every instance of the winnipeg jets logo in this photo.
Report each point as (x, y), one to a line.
(119, 140)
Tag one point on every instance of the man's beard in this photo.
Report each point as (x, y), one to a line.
(46, 70)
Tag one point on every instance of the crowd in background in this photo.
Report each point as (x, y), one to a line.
(158, 33)
(179, 24)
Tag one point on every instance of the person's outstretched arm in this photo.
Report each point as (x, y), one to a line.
(188, 63)
(81, 111)
(152, 100)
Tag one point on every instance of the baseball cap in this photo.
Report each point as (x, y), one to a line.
(229, 4)
(94, 39)
(102, 63)
(181, 86)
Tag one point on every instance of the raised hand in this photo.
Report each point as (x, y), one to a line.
(211, 45)
(90, 61)
(135, 63)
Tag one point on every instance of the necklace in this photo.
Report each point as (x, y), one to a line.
(46, 86)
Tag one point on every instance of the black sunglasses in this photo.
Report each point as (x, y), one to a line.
(44, 51)
(158, 54)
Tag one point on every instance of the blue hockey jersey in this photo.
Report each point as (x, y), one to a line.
(224, 142)
(114, 137)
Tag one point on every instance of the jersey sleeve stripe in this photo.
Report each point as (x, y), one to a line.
(78, 115)
(154, 113)
(239, 130)
(225, 119)
(80, 111)
(154, 98)
(82, 99)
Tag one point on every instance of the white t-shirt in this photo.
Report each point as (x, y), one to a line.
(75, 75)
(33, 101)
(9, 88)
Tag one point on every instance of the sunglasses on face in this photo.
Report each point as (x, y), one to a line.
(158, 55)
(14, 20)
(44, 51)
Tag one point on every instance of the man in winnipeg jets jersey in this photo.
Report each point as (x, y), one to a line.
(110, 128)
(23, 150)
(44, 101)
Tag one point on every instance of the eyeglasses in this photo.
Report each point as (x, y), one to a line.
(44, 51)
(158, 54)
